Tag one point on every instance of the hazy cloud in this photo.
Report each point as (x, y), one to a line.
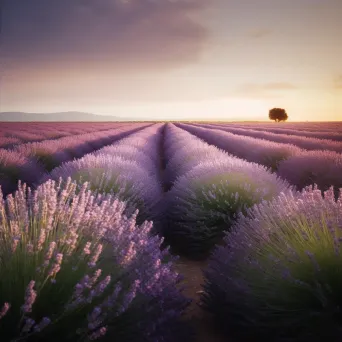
(115, 33)
(279, 86)
(267, 90)
(338, 82)
(259, 33)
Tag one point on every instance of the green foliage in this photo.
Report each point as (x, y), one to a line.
(278, 275)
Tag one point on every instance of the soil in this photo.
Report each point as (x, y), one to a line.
(201, 320)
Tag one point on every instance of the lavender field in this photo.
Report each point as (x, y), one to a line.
(167, 232)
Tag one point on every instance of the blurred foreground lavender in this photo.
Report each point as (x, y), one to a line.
(73, 267)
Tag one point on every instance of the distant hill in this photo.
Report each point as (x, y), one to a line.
(63, 116)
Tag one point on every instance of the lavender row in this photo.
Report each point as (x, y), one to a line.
(332, 135)
(144, 149)
(75, 267)
(300, 141)
(127, 168)
(28, 162)
(45, 128)
(312, 127)
(211, 189)
(182, 156)
(260, 151)
(300, 167)
(22, 133)
(52, 153)
(277, 276)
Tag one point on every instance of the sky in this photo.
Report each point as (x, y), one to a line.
(173, 59)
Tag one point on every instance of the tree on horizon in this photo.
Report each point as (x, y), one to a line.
(278, 114)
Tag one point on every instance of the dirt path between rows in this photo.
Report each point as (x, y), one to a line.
(198, 318)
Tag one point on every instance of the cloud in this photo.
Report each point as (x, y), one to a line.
(279, 86)
(267, 90)
(259, 33)
(134, 34)
(338, 82)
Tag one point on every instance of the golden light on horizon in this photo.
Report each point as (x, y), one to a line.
(175, 60)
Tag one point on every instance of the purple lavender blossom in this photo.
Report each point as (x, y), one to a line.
(183, 151)
(296, 130)
(52, 153)
(125, 274)
(205, 201)
(323, 168)
(130, 153)
(107, 174)
(14, 167)
(277, 276)
(308, 143)
(260, 151)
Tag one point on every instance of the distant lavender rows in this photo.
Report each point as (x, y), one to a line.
(308, 143)
(29, 161)
(330, 135)
(299, 166)
(12, 134)
(332, 127)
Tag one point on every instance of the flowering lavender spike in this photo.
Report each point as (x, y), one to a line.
(198, 214)
(45, 321)
(30, 297)
(282, 259)
(4, 309)
(70, 229)
(114, 175)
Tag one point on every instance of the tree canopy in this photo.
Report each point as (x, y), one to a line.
(278, 114)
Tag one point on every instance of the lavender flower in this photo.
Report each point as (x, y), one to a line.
(52, 153)
(296, 130)
(30, 297)
(45, 321)
(277, 276)
(15, 166)
(307, 143)
(29, 323)
(183, 151)
(114, 175)
(88, 303)
(323, 168)
(205, 201)
(4, 309)
(260, 151)
(129, 152)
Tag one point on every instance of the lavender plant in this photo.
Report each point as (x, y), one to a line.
(323, 168)
(73, 267)
(14, 166)
(146, 142)
(130, 153)
(278, 276)
(187, 158)
(308, 143)
(205, 201)
(261, 151)
(49, 153)
(52, 153)
(108, 174)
